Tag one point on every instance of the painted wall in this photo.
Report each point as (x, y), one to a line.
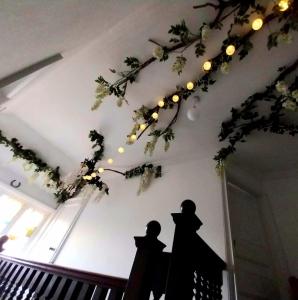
(282, 194)
(102, 241)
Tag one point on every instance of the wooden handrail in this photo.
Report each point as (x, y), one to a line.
(90, 277)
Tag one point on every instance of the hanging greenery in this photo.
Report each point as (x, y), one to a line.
(88, 173)
(243, 11)
(280, 97)
(32, 161)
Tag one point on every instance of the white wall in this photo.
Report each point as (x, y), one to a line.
(102, 240)
(282, 194)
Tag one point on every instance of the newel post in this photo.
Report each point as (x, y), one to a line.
(149, 249)
(180, 283)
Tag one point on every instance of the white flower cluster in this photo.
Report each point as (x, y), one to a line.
(284, 38)
(225, 68)
(102, 91)
(158, 52)
(205, 32)
(291, 98)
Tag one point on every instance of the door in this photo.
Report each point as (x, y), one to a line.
(51, 240)
(253, 262)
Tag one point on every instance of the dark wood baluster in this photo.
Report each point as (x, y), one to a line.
(27, 280)
(19, 288)
(16, 282)
(100, 293)
(2, 265)
(116, 294)
(53, 285)
(86, 290)
(76, 290)
(5, 284)
(59, 288)
(33, 284)
(70, 290)
(5, 269)
(12, 283)
(6, 272)
(45, 281)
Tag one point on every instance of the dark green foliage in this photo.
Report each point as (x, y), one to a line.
(200, 49)
(248, 118)
(139, 171)
(132, 62)
(31, 157)
(180, 31)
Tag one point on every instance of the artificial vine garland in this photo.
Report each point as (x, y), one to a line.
(280, 96)
(33, 162)
(182, 38)
(88, 174)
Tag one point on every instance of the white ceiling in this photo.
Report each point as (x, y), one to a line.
(53, 116)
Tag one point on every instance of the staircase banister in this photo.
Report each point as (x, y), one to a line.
(90, 277)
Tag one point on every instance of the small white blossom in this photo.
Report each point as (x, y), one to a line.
(205, 32)
(281, 87)
(295, 95)
(284, 38)
(102, 91)
(158, 52)
(225, 68)
(290, 105)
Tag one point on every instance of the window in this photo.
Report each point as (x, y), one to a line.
(20, 221)
(9, 208)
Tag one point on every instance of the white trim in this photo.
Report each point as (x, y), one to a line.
(25, 198)
(229, 242)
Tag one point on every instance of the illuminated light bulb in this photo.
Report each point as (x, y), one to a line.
(283, 5)
(110, 161)
(133, 137)
(101, 170)
(143, 126)
(93, 175)
(155, 115)
(161, 103)
(175, 98)
(87, 177)
(230, 50)
(207, 65)
(257, 24)
(121, 150)
(190, 85)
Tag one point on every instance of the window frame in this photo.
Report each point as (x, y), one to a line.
(27, 202)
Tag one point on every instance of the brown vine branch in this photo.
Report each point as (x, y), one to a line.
(115, 171)
(206, 5)
(250, 33)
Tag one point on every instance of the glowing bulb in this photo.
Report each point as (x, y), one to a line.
(143, 126)
(175, 98)
(207, 65)
(155, 115)
(101, 170)
(257, 24)
(283, 5)
(230, 50)
(110, 161)
(133, 137)
(161, 103)
(87, 177)
(93, 175)
(121, 150)
(190, 85)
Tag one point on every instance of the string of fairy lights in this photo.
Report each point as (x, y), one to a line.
(256, 24)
